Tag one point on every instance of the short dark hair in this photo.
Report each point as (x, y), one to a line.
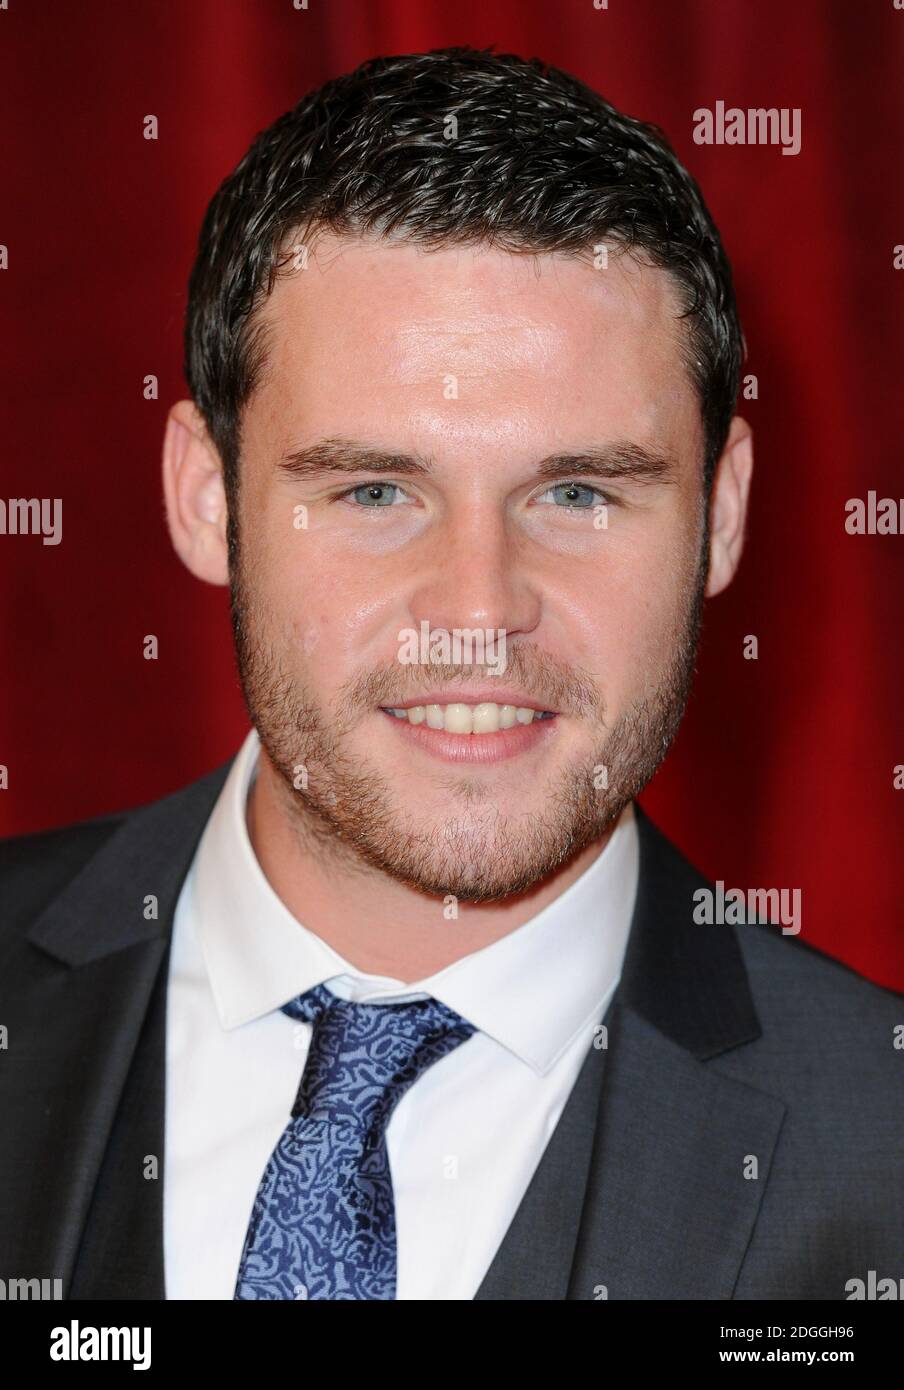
(539, 163)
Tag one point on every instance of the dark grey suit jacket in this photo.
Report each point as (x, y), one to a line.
(725, 1045)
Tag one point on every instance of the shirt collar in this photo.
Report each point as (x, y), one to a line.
(532, 990)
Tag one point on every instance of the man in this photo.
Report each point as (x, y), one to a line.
(410, 1000)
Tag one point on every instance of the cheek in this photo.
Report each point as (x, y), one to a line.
(629, 617)
(308, 634)
(328, 609)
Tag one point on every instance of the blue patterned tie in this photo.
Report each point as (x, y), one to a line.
(323, 1222)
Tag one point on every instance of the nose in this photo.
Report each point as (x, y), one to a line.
(476, 576)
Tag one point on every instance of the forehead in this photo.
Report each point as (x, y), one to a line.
(374, 330)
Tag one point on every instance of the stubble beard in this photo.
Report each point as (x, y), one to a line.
(349, 811)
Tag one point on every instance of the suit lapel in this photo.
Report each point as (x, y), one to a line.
(647, 1196)
(80, 998)
(73, 1042)
(669, 1212)
(119, 1253)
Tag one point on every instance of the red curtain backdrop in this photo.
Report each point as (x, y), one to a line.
(783, 774)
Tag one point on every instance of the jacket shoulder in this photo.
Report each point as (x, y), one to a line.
(823, 986)
(824, 1029)
(792, 980)
(35, 867)
(830, 1046)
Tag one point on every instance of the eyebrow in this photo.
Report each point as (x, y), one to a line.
(622, 460)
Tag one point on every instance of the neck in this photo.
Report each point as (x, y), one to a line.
(380, 926)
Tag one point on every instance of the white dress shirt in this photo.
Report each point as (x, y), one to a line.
(466, 1137)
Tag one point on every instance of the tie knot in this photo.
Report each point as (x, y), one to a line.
(363, 1057)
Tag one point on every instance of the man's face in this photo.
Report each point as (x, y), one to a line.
(480, 366)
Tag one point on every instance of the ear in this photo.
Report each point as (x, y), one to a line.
(195, 497)
(728, 506)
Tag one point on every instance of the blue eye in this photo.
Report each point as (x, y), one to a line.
(374, 494)
(574, 495)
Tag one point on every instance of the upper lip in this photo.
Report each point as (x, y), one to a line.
(486, 694)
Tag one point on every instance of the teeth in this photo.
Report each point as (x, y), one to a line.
(485, 718)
